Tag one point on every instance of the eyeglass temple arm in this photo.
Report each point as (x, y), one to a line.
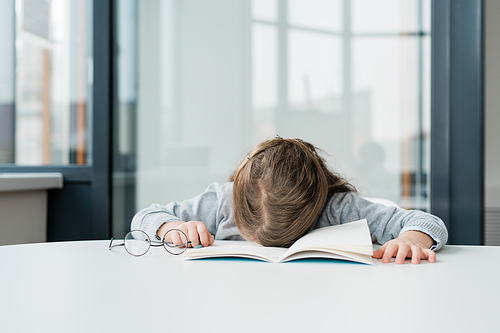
(111, 246)
(172, 245)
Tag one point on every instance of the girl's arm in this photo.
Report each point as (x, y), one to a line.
(402, 232)
(198, 217)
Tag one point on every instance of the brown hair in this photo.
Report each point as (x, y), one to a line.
(280, 189)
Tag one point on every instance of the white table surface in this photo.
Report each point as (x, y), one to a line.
(84, 287)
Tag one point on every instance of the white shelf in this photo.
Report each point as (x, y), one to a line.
(30, 181)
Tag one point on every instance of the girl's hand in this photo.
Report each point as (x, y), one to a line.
(196, 232)
(410, 244)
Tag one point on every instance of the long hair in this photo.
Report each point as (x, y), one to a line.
(280, 189)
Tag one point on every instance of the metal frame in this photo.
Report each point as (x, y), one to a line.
(457, 144)
(103, 104)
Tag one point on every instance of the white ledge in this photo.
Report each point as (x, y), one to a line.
(30, 181)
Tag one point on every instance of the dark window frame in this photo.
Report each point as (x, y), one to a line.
(457, 118)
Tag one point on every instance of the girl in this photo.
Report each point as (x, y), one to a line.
(282, 190)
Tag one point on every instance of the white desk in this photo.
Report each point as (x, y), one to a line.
(83, 287)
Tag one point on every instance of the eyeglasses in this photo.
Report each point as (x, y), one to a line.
(138, 243)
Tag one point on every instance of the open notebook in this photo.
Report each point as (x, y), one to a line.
(350, 241)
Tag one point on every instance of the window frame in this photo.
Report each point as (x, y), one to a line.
(457, 118)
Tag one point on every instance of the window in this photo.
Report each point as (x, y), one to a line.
(353, 77)
(200, 83)
(46, 79)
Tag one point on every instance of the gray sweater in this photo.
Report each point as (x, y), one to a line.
(214, 207)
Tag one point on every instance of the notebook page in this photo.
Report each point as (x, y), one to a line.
(241, 249)
(353, 234)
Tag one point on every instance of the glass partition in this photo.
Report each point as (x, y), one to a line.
(201, 82)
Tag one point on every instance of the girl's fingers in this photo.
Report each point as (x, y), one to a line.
(417, 254)
(175, 237)
(380, 252)
(205, 237)
(429, 254)
(402, 250)
(402, 253)
(192, 234)
(195, 231)
(390, 251)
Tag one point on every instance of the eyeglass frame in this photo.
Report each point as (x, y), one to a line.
(151, 244)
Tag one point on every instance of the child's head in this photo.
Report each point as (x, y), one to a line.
(280, 189)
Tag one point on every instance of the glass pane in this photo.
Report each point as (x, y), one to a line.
(314, 71)
(318, 14)
(491, 125)
(7, 72)
(265, 10)
(51, 44)
(194, 110)
(390, 151)
(426, 15)
(264, 79)
(383, 16)
(124, 114)
(211, 83)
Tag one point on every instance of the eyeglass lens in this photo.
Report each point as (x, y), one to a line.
(137, 243)
(175, 241)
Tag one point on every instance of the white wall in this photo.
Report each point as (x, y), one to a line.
(190, 117)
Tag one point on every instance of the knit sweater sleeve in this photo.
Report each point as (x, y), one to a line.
(385, 223)
(204, 207)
